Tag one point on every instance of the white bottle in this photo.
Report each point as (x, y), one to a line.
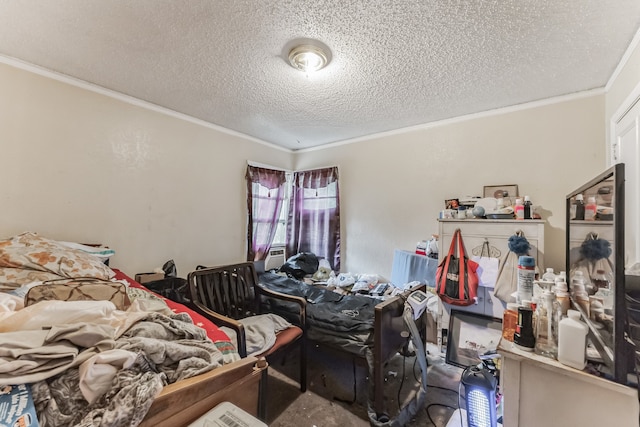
(572, 341)
(549, 275)
(578, 282)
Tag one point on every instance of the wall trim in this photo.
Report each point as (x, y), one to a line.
(629, 102)
(166, 111)
(464, 118)
(623, 61)
(129, 99)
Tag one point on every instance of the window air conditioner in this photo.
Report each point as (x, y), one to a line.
(275, 258)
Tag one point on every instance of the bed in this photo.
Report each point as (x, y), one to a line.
(367, 328)
(168, 364)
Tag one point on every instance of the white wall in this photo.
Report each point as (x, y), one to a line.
(625, 81)
(82, 166)
(392, 187)
(623, 94)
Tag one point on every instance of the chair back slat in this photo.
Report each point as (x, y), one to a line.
(226, 290)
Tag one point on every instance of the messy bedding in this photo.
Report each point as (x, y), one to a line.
(89, 362)
(344, 321)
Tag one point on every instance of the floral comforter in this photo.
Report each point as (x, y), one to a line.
(28, 257)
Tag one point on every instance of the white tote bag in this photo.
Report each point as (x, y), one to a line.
(488, 267)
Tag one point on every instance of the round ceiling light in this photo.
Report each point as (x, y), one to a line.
(308, 58)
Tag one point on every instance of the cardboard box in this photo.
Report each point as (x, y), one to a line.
(227, 414)
(143, 278)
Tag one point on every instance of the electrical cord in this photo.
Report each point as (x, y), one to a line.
(415, 377)
(404, 360)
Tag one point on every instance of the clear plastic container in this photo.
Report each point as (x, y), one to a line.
(572, 341)
(547, 326)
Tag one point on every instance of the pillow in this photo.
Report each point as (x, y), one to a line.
(79, 290)
(32, 252)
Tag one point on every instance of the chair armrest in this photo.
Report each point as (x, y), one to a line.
(222, 320)
(261, 290)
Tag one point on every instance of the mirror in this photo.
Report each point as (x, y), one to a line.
(595, 250)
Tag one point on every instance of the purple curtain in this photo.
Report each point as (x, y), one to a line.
(314, 215)
(265, 193)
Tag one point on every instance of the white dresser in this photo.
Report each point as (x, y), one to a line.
(539, 391)
(496, 232)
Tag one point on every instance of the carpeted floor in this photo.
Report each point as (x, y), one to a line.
(338, 387)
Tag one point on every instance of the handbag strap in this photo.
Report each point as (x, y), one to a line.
(462, 253)
(463, 280)
(453, 247)
(485, 246)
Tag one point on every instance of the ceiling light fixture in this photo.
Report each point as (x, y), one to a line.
(308, 58)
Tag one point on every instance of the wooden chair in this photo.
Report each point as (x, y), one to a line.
(232, 292)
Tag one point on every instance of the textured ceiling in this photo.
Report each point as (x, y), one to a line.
(395, 63)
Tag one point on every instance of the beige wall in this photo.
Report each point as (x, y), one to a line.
(393, 187)
(84, 166)
(81, 166)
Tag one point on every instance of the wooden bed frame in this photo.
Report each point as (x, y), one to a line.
(390, 335)
(183, 402)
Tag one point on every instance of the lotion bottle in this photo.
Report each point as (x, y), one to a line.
(519, 209)
(590, 209)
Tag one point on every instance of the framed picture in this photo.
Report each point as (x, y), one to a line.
(452, 204)
(470, 337)
(501, 191)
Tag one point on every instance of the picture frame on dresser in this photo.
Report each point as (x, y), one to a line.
(471, 336)
(500, 191)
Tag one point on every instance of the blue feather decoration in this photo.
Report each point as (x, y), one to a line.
(595, 249)
(519, 245)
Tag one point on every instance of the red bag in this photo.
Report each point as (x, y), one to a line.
(456, 278)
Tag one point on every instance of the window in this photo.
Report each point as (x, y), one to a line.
(299, 210)
(266, 190)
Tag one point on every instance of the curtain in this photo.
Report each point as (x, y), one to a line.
(265, 194)
(313, 224)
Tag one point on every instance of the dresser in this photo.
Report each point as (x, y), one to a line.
(496, 232)
(539, 391)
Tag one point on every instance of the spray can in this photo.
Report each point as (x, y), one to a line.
(526, 276)
(523, 338)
